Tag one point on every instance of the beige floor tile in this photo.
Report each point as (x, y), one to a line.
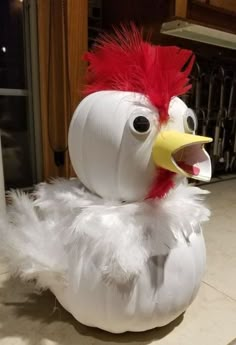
(19, 314)
(220, 235)
(3, 267)
(14, 341)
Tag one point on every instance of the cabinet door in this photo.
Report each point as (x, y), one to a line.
(63, 27)
(229, 5)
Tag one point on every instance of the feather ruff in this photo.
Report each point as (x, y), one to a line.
(46, 236)
(125, 62)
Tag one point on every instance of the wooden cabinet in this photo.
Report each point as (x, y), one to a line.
(220, 14)
(225, 5)
(62, 27)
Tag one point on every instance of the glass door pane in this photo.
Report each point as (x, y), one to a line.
(16, 96)
(12, 67)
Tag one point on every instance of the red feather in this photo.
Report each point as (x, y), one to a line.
(126, 62)
(162, 184)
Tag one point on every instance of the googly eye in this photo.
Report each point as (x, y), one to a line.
(190, 121)
(140, 125)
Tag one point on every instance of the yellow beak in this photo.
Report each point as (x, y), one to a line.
(183, 154)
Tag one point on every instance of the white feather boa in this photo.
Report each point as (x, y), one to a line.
(43, 235)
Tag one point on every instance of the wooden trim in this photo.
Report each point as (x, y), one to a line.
(77, 45)
(77, 41)
(181, 7)
(43, 28)
(68, 27)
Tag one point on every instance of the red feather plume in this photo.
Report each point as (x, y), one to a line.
(126, 62)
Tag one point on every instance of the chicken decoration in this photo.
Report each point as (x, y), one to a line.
(122, 247)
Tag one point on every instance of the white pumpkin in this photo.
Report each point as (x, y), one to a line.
(109, 156)
(165, 288)
(119, 267)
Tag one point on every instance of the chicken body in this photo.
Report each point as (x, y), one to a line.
(120, 267)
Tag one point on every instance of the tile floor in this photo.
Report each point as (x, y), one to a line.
(31, 319)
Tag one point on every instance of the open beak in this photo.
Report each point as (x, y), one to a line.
(183, 154)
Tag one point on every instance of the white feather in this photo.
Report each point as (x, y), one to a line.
(45, 237)
(30, 244)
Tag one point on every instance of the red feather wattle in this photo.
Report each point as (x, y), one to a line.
(162, 184)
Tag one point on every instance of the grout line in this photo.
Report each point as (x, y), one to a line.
(223, 293)
(4, 272)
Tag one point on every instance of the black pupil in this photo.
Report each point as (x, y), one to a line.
(190, 122)
(141, 124)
